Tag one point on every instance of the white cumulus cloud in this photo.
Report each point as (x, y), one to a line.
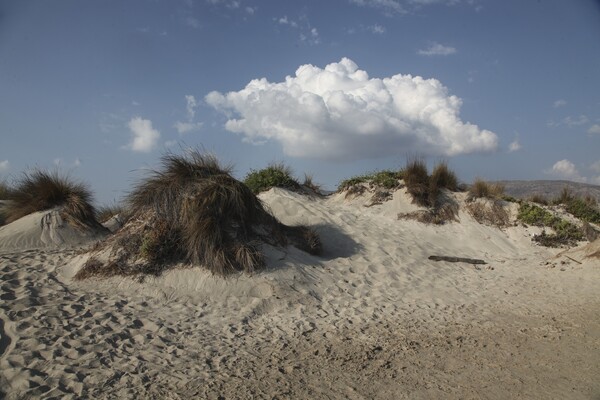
(340, 112)
(565, 169)
(4, 166)
(145, 137)
(437, 49)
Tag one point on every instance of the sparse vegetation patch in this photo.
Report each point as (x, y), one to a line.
(584, 210)
(386, 179)
(565, 233)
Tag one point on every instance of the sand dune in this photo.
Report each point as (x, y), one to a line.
(371, 318)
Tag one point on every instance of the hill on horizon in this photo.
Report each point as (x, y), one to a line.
(548, 188)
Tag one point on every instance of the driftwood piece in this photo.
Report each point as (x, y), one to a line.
(457, 259)
(572, 259)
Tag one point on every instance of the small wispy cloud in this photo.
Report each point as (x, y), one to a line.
(145, 137)
(187, 127)
(389, 7)
(437, 49)
(559, 103)
(192, 22)
(514, 146)
(377, 29)
(191, 105)
(251, 10)
(312, 37)
(307, 33)
(570, 121)
(4, 166)
(59, 162)
(286, 21)
(594, 129)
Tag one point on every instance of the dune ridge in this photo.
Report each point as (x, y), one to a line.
(370, 318)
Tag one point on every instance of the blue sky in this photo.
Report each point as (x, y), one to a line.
(499, 89)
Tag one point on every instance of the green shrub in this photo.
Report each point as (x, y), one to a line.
(509, 199)
(387, 179)
(583, 210)
(566, 233)
(275, 175)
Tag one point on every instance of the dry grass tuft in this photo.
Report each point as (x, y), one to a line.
(481, 189)
(40, 190)
(416, 179)
(443, 177)
(539, 199)
(5, 191)
(447, 212)
(491, 213)
(105, 213)
(194, 211)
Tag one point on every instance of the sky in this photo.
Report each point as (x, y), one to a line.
(99, 90)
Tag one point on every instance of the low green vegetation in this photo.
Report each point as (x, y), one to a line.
(584, 210)
(424, 189)
(566, 233)
(275, 175)
(387, 179)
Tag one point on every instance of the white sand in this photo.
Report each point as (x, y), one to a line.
(372, 318)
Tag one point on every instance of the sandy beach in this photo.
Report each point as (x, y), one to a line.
(372, 318)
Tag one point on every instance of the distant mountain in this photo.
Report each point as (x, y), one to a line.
(548, 189)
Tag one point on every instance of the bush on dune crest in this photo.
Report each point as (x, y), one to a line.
(481, 189)
(40, 190)
(386, 179)
(275, 175)
(194, 211)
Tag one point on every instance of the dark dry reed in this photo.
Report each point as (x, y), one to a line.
(194, 211)
(482, 189)
(416, 179)
(41, 190)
